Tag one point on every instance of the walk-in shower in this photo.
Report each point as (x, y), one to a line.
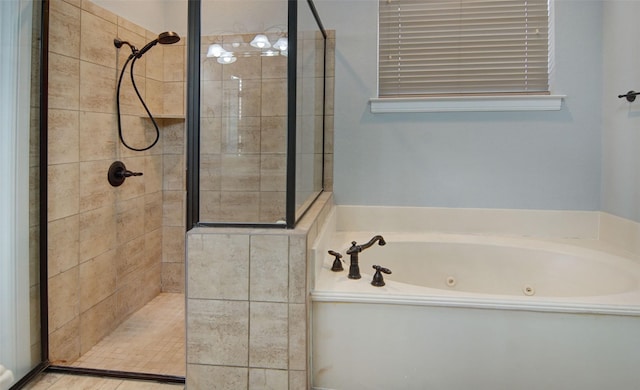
(246, 150)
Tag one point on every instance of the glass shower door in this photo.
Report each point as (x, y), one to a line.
(20, 345)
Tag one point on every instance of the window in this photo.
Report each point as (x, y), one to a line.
(465, 48)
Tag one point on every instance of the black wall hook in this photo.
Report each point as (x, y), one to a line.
(631, 96)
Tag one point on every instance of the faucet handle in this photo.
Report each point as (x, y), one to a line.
(378, 279)
(337, 262)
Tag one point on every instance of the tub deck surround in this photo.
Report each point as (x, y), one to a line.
(486, 271)
(553, 302)
(248, 305)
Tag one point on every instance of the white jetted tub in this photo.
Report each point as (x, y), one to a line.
(475, 311)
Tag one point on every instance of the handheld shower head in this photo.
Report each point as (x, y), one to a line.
(165, 38)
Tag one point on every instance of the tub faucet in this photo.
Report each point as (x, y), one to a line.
(354, 268)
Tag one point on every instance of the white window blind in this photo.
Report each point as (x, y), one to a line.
(429, 47)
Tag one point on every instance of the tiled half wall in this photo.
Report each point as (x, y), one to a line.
(248, 305)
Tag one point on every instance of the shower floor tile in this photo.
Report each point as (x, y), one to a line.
(150, 341)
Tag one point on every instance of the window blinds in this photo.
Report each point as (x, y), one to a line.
(463, 47)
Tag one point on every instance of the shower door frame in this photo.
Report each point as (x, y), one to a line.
(193, 120)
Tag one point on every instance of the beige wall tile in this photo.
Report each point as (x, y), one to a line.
(274, 67)
(64, 29)
(273, 138)
(134, 132)
(173, 238)
(174, 63)
(64, 296)
(136, 289)
(63, 136)
(240, 135)
(297, 269)
(97, 322)
(261, 379)
(298, 380)
(98, 136)
(210, 135)
(210, 68)
(97, 88)
(152, 211)
(210, 170)
(245, 68)
(242, 98)
(274, 97)
(153, 247)
(97, 279)
(218, 332)
(129, 101)
(240, 172)
(218, 266)
(210, 206)
(97, 232)
(109, 16)
(154, 97)
(133, 187)
(64, 343)
(64, 190)
(239, 206)
(173, 136)
(64, 83)
(297, 336)
(152, 174)
(125, 23)
(129, 219)
(173, 277)
(174, 98)
(268, 335)
(173, 208)
(273, 169)
(96, 45)
(129, 257)
(211, 99)
(95, 190)
(272, 206)
(173, 172)
(63, 242)
(203, 377)
(155, 62)
(269, 275)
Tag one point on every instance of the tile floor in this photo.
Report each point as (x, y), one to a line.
(55, 381)
(151, 341)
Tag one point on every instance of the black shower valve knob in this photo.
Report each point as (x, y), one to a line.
(118, 172)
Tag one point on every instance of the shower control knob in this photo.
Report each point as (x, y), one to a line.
(118, 172)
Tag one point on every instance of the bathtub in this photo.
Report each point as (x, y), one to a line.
(475, 311)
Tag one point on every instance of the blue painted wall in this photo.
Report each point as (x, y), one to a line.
(528, 160)
(621, 128)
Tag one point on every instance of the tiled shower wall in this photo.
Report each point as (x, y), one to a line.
(243, 134)
(109, 246)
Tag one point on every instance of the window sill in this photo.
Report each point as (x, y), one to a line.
(467, 104)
